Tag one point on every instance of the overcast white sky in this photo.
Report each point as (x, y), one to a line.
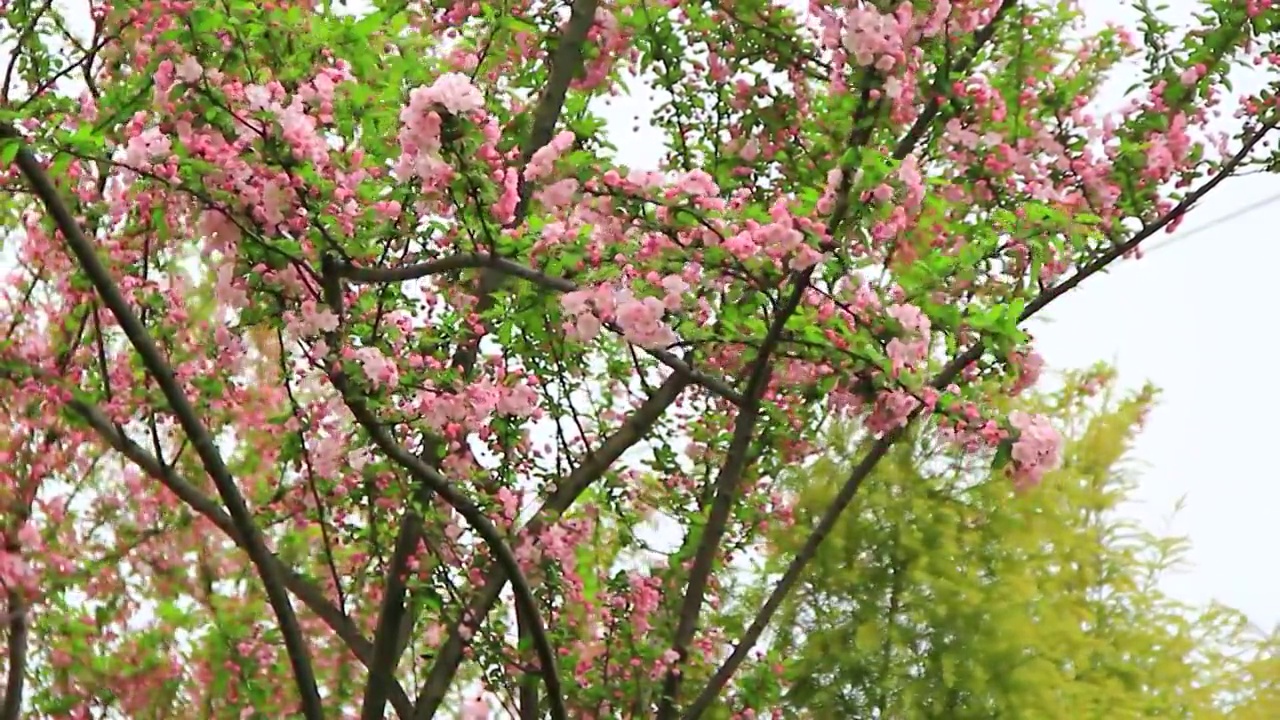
(1190, 318)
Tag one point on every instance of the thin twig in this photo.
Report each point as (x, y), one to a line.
(465, 261)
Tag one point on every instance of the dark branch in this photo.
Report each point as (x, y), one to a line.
(1121, 249)
(391, 614)
(636, 427)
(565, 64)
(273, 582)
(309, 593)
(466, 261)
(726, 488)
(727, 480)
(453, 263)
(792, 576)
(18, 634)
(431, 479)
(529, 702)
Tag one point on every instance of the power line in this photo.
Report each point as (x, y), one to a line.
(1217, 221)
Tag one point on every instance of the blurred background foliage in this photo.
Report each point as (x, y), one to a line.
(947, 593)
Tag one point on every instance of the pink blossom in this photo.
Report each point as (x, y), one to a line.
(909, 174)
(359, 458)
(275, 202)
(520, 400)
(29, 537)
(891, 411)
(484, 398)
(146, 147)
(165, 75)
(893, 87)
(455, 93)
(874, 38)
(697, 183)
(544, 159)
(742, 246)
(906, 355)
(559, 194)
(189, 70)
(645, 178)
(377, 367)
(504, 209)
(584, 328)
(1038, 448)
(227, 290)
(221, 231)
(14, 571)
(1029, 366)
(258, 97)
(606, 299)
(510, 504)
(912, 319)
(1192, 75)
(315, 319)
(641, 323)
(301, 132)
(587, 309)
(805, 257)
(675, 288)
(576, 302)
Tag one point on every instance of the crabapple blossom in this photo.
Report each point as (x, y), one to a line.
(335, 341)
(1037, 448)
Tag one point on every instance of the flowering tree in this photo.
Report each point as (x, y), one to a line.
(323, 328)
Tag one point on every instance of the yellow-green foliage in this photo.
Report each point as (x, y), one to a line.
(943, 593)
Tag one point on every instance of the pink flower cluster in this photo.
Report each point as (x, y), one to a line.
(1028, 366)
(451, 93)
(15, 572)
(1167, 151)
(641, 319)
(452, 413)
(912, 348)
(782, 240)
(1037, 450)
(544, 160)
(875, 38)
(380, 370)
(146, 147)
(891, 410)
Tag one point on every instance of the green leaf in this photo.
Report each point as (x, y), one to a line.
(867, 639)
(9, 148)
